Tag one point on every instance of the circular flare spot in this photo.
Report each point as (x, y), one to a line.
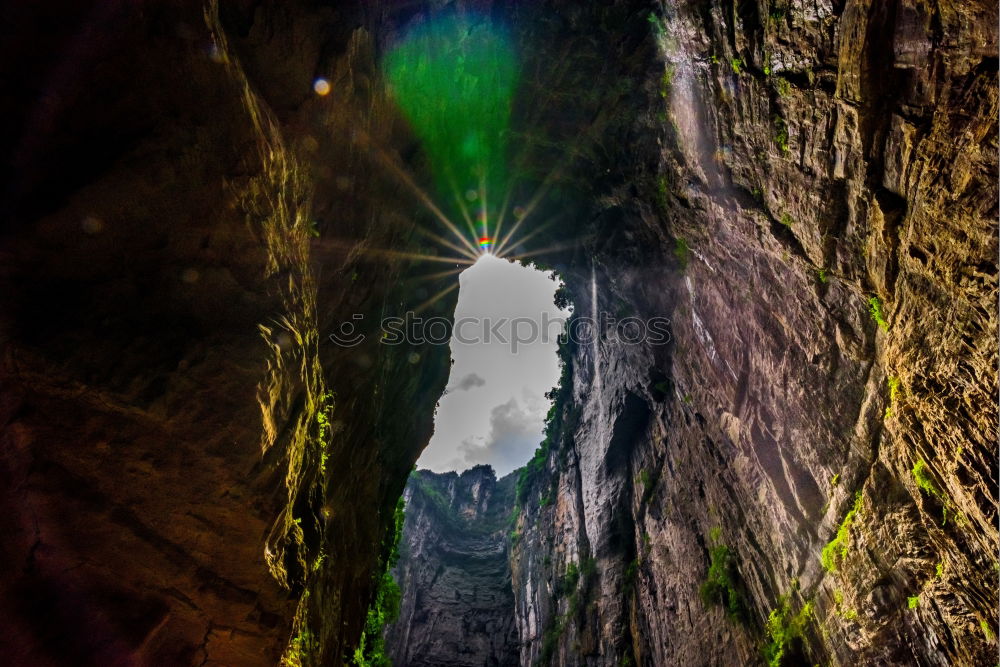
(321, 86)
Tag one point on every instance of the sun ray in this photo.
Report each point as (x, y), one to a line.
(398, 254)
(438, 275)
(539, 251)
(424, 198)
(430, 302)
(538, 229)
(462, 208)
(503, 209)
(483, 208)
(445, 242)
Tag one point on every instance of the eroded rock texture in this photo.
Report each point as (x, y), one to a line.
(192, 473)
(454, 570)
(820, 161)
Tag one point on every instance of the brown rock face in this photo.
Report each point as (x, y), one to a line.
(819, 226)
(184, 451)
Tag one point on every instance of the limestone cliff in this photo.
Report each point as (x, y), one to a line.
(807, 472)
(454, 570)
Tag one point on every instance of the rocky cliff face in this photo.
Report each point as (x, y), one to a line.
(806, 473)
(454, 571)
(192, 473)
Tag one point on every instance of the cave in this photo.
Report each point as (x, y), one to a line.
(773, 432)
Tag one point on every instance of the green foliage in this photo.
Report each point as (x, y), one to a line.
(302, 645)
(736, 64)
(987, 630)
(630, 575)
(573, 581)
(557, 420)
(562, 297)
(782, 86)
(780, 133)
(786, 220)
(721, 585)
(875, 308)
(821, 273)
(939, 570)
(682, 252)
(667, 81)
(784, 629)
(835, 479)
(323, 420)
(837, 547)
(569, 579)
(662, 190)
(384, 607)
(913, 602)
(922, 476)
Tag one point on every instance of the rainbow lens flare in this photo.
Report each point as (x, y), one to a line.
(485, 242)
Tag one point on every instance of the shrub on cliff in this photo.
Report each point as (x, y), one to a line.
(384, 607)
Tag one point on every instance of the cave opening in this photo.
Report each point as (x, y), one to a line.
(504, 341)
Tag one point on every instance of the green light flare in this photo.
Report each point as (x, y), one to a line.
(454, 79)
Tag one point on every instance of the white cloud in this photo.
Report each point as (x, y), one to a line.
(468, 382)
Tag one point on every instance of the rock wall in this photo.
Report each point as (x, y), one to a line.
(192, 473)
(454, 571)
(818, 222)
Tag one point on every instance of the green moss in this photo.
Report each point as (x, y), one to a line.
(780, 133)
(939, 570)
(835, 480)
(667, 81)
(736, 64)
(987, 630)
(836, 549)
(923, 478)
(875, 309)
(682, 252)
(782, 86)
(913, 602)
(894, 385)
(786, 220)
(784, 629)
(648, 484)
(821, 273)
(662, 192)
